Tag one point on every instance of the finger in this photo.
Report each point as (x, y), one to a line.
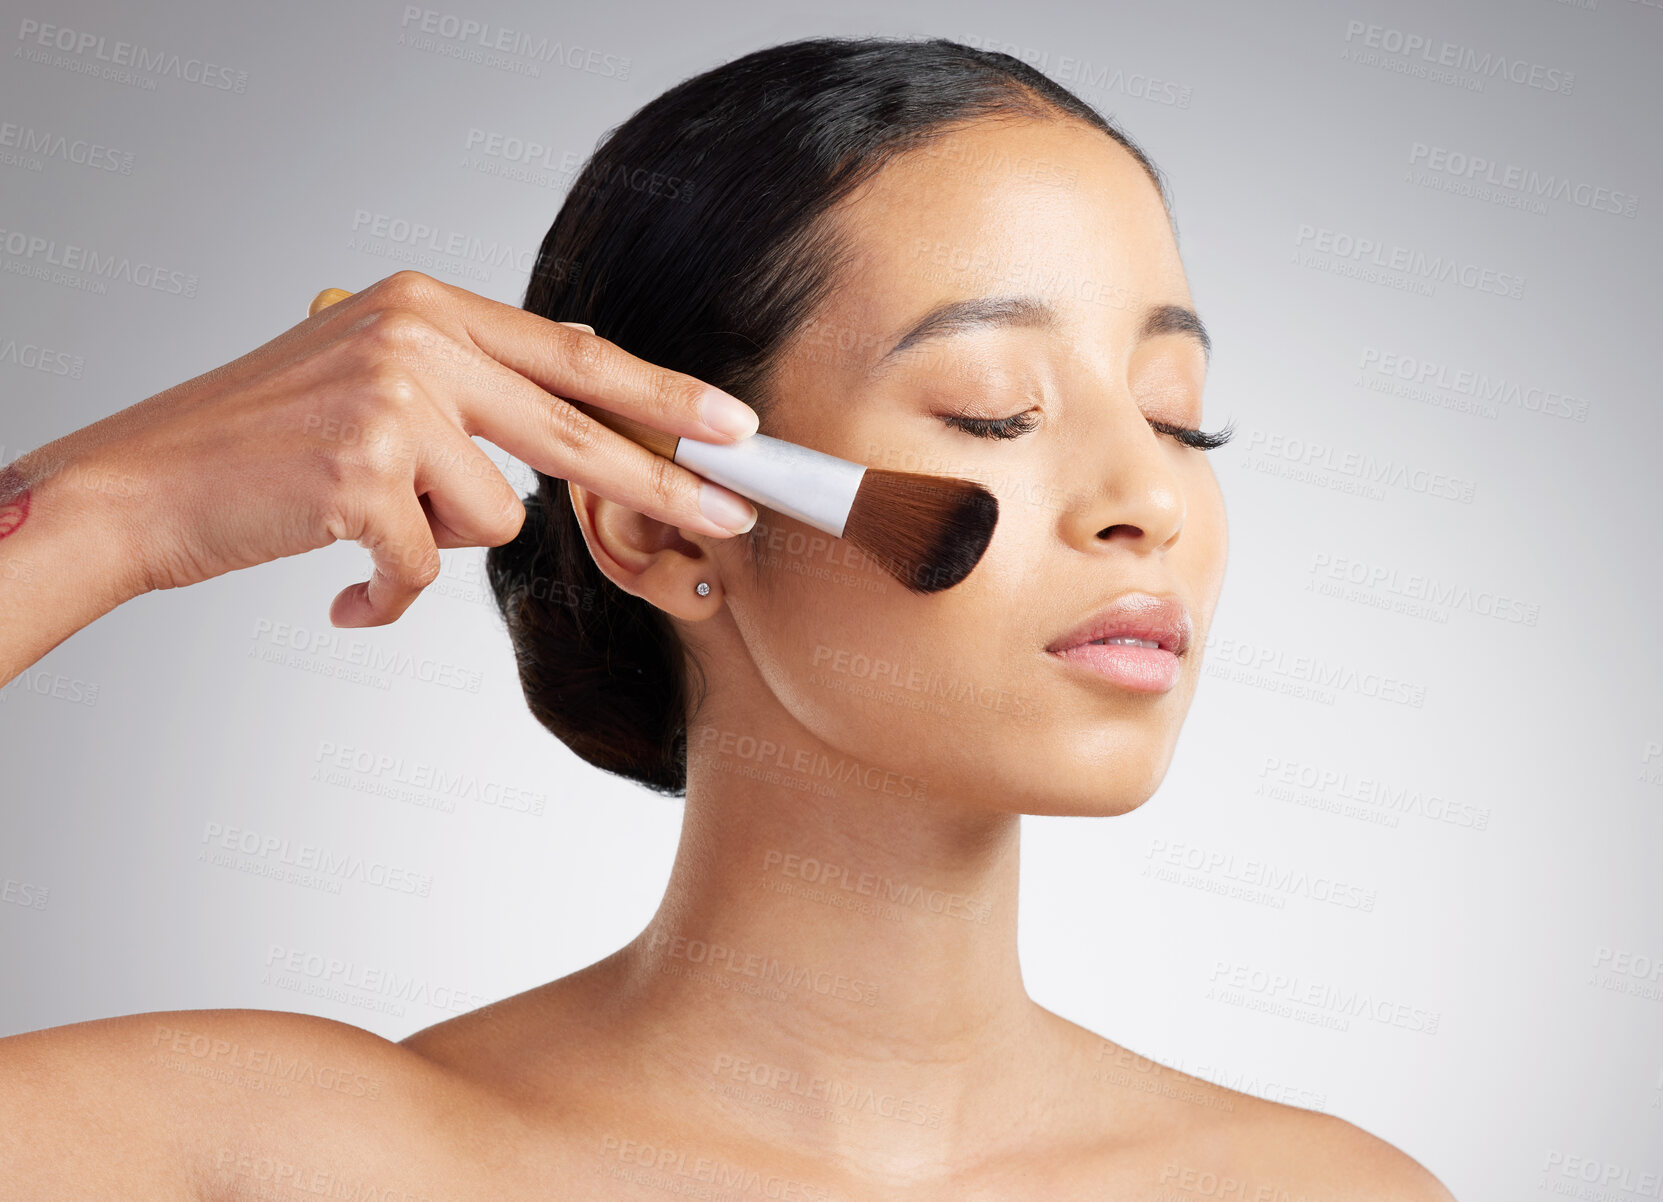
(465, 498)
(568, 362)
(443, 536)
(468, 501)
(406, 561)
(500, 404)
(560, 440)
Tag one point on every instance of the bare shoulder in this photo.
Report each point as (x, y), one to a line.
(1329, 1157)
(1186, 1139)
(194, 1104)
(503, 1048)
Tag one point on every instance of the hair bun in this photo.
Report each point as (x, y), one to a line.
(601, 669)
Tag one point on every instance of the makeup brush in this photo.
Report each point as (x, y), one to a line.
(926, 531)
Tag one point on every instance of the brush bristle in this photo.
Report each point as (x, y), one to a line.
(926, 531)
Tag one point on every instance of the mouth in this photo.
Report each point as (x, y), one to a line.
(1135, 642)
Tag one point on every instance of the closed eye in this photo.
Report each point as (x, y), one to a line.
(1192, 437)
(1022, 423)
(1014, 426)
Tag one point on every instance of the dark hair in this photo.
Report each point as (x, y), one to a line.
(693, 238)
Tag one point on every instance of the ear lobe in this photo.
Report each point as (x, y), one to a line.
(645, 557)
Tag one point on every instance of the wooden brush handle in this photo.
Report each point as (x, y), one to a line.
(655, 440)
(326, 298)
(659, 442)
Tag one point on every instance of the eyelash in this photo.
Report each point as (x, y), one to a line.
(1021, 423)
(1014, 426)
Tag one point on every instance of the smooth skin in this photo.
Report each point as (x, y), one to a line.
(780, 1030)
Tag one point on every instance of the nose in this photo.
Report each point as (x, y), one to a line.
(1124, 485)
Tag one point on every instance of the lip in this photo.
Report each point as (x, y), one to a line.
(1158, 619)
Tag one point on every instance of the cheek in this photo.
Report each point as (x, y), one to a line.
(804, 598)
(837, 639)
(886, 674)
(1206, 539)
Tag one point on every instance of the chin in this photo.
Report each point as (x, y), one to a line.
(1061, 785)
(1100, 804)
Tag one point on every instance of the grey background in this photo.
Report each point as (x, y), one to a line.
(1536, 940)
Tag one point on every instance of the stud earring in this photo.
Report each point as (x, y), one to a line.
(703, 589)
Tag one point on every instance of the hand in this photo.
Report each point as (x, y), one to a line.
(357, 423)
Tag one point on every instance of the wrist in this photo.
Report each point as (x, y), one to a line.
(67, 531)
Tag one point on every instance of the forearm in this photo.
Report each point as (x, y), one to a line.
(64, 558)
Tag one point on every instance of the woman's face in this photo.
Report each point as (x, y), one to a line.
(957, 687)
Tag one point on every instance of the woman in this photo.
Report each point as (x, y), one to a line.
(915, 255)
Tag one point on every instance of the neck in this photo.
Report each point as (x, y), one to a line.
(841, 939)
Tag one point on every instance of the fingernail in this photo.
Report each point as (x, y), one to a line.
(725, 509)
(578, 325)
(728, 414)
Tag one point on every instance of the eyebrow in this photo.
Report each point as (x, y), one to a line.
(983, 312)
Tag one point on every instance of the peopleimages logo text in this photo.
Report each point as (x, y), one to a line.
(118, 53)
(1456, 57)
(470, 32)
(1527, 181)
(1411, 262)
(34, 249)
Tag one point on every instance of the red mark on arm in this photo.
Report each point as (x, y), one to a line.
(14, 500)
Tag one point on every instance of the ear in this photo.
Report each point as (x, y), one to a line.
(647, 558)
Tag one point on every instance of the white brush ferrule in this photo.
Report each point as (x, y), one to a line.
(798, 481)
